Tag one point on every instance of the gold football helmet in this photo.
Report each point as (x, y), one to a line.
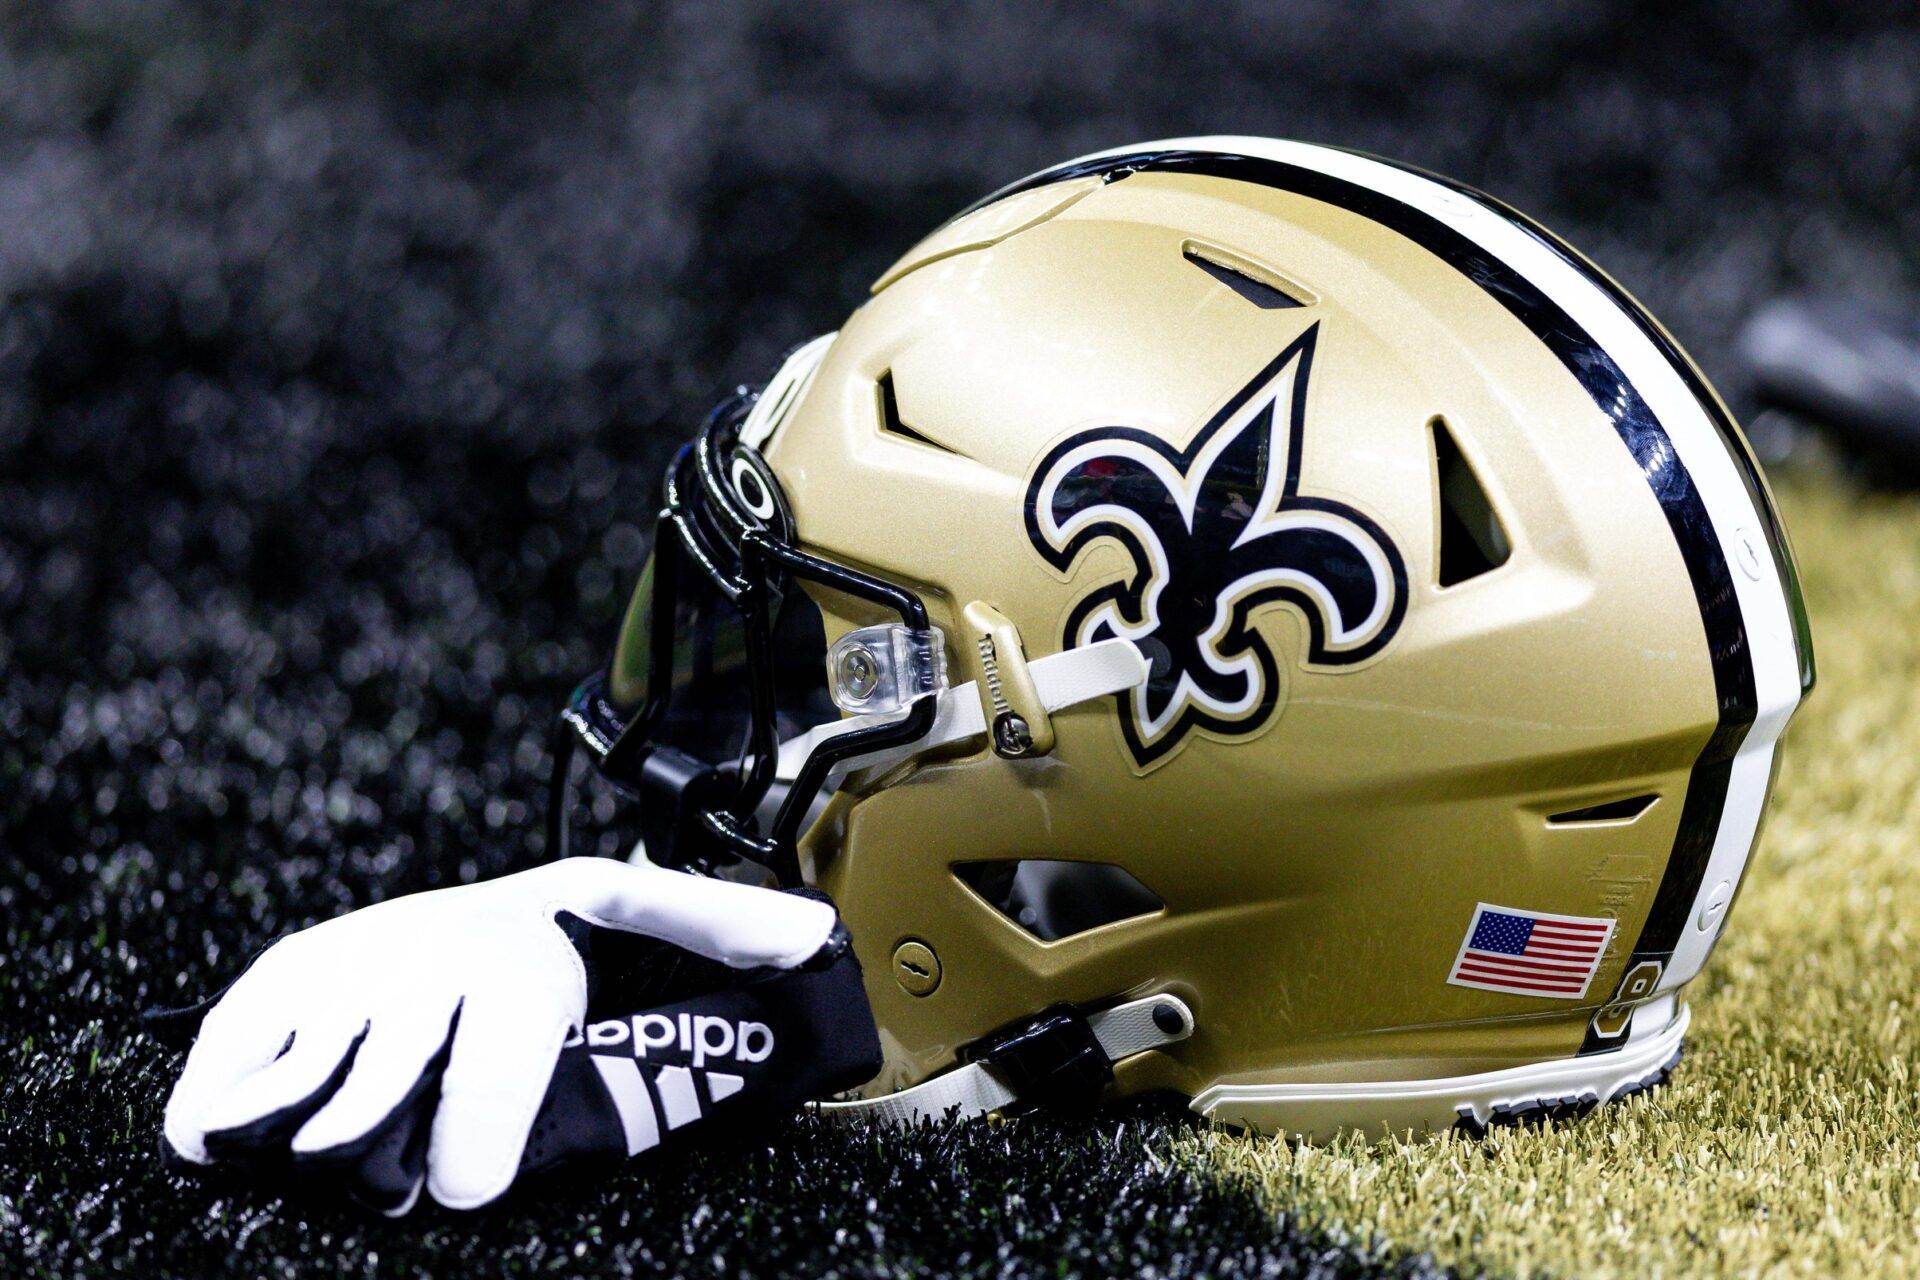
(1236, 617)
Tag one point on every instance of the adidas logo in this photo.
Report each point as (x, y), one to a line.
(699, 1036)
(666, 1096)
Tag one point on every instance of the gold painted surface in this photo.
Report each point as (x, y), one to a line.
(1318, 877)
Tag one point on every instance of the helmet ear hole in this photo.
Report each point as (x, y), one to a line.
(1054, 899)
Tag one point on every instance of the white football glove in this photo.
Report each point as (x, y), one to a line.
(421, 1039)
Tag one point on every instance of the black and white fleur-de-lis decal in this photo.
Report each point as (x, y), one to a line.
(1214, 532)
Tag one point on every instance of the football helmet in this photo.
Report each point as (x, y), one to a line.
(1236, 617)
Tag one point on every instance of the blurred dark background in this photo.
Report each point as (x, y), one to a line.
(340, 344)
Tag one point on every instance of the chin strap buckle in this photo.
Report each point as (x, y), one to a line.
(1044, 1060)
(1050, 1060)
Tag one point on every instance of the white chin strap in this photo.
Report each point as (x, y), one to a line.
(976, 1089)
(1062, 680)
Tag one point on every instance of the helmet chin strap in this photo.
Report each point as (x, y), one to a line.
(1062, 680)
(978, 1088)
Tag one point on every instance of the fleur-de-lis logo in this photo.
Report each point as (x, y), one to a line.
(1214, 532)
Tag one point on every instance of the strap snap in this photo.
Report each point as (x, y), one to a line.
(1052, 1060)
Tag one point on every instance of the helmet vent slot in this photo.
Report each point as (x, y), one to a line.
(1240, 275)
(1612, 811)
(890, 416)
(1472, 539)
(1053, 899)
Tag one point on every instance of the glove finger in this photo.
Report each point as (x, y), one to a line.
(741, 925)
(382, 1139)
(263, 1111)
(497, 1073)
(228, 1050)
(389, 1176)
(391, 1068)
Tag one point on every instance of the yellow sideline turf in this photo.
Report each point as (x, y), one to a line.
(1788, 1141)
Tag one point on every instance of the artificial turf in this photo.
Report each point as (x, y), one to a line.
(1789, 1140)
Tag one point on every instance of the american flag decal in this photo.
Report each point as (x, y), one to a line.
(1530, 953)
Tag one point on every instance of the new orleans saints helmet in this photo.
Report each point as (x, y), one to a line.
(1236, 617)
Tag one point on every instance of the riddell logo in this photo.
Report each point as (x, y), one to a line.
(700, 1036)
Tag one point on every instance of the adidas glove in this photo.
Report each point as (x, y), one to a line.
(457, 1038)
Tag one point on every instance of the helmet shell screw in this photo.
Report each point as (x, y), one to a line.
(916, 968)
(1011, 736)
